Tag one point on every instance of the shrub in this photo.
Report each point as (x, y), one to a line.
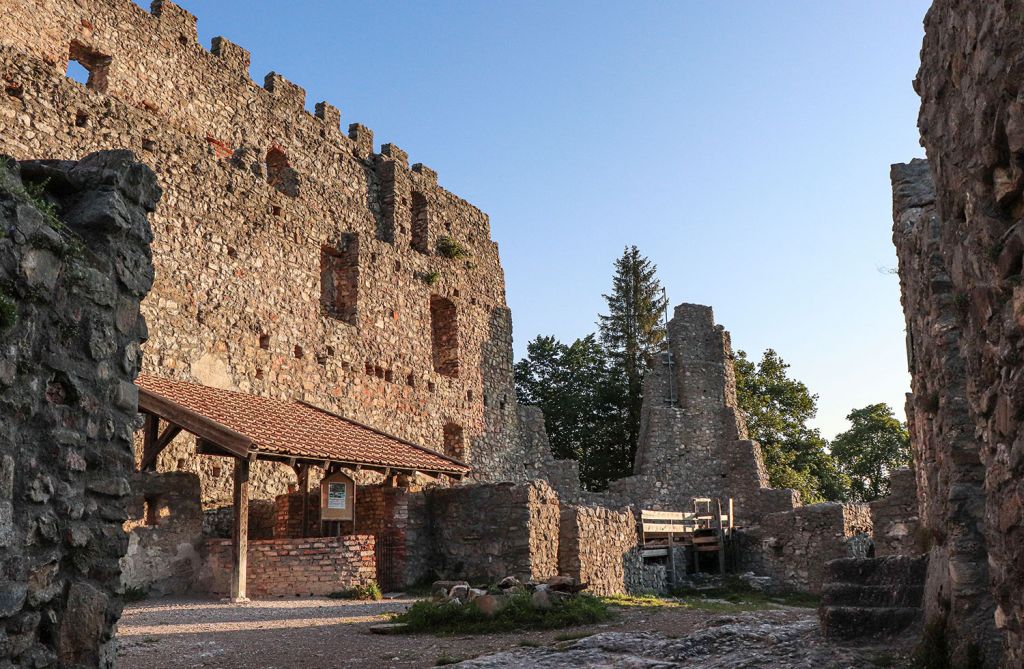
(451, 248)
(518, 613)
(430, 278)
(369, 591)
(135, 593)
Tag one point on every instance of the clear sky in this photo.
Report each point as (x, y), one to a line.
(743, 146)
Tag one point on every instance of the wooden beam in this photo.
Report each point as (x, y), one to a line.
(240, 532)
(197, 424)
(149, 459)
(149, 438)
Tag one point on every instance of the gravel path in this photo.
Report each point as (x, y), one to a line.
(316, 633)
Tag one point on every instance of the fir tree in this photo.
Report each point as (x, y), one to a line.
(631, 333)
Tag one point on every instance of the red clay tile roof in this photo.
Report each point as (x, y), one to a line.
(290, 428)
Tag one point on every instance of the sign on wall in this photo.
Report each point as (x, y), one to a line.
(337, 497)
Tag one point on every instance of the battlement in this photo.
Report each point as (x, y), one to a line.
(154, 61)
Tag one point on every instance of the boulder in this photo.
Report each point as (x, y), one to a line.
(459, 592)
(541, 598)
(490, 605)
(509, 582)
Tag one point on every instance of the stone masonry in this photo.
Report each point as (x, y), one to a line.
(292, 259)
(793, 547)
(74, 266)
(894, 517)
(693, 440)
(165, 533)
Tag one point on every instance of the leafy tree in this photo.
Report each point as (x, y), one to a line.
(876, 443)
(573, 387)
(777, 410)
(631, 333)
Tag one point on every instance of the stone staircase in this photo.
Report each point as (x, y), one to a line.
(871, 596)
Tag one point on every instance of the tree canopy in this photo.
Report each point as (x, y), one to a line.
(876, 443)
(777, 409)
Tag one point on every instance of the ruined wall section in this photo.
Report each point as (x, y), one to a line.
(693, 440)
(972, 127)
(793, 547)
(291, 258)
(947, 451)
(74, 265)
(897, 529)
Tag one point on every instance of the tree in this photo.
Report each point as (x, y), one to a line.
(631, 333)
(777, 410)
(573, 387)
(876, 443)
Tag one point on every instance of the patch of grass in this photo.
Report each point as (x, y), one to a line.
(572, 636)
(884, 660)
(151, 639)
(430, 278)
(447, 659)
(529, 643)
(370, 591)
(450, 618)
(722, 606)
(451, 248)
(639, 600)
(135, 593)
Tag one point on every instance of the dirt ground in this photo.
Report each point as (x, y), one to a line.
(315, 633)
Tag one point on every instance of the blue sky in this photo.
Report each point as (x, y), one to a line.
(743, 146)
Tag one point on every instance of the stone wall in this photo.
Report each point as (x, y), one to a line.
(483, 532)
(793, 547)
(74, 264)
(292, 259)
(693, 440)
(894, 517)
(598, 546)
(293, 567)
(964, 300)
(165, 533)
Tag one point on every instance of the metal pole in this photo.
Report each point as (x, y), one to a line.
(668, 351)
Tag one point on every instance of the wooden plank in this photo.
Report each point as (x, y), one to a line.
(665, 528)
(705, 540)
(654, 552)
(240, 531)
(664, 515)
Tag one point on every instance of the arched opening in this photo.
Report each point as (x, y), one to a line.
(444, 336)
(339, 280)
(420, 223)
(280, 174)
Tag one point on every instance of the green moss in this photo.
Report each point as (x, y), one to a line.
(519, 613)
(451, 248)
(8, 313)
(640, 600)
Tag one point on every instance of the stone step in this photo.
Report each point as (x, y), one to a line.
(893, 569)
(855, 594)
(850, 622)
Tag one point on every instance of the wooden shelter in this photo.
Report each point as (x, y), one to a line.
(249, 427)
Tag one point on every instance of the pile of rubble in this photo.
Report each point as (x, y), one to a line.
(542, 595)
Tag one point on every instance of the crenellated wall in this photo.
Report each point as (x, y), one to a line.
(292, 258)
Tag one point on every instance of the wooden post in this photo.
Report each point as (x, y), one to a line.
(304, 487)
(240, 534)
(721, 539)
(149, 436)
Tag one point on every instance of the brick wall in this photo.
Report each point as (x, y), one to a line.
(294, 567)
